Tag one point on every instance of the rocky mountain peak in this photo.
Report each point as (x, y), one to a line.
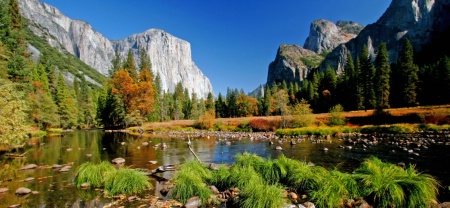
(324, 35)
(422, 21)
(292, 64)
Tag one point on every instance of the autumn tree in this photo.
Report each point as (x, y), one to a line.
(145, 93)
(303, 115)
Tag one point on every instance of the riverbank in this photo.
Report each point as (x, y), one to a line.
(428, 116)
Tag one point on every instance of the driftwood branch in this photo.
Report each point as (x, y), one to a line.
(189, 145)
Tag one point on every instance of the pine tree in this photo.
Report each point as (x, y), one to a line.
(367, 75)
(130, 65)
(13, 36)
(116, 64)
(145, 61)
(209, 102)
(408, 75)
(443, 80)
(359, 95)
(382, 77)
(67, 108)
(220, 107)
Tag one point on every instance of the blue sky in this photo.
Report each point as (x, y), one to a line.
(232, 41)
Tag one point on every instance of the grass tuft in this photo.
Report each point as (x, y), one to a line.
(94, 174)
(189, 182)
(126, 181)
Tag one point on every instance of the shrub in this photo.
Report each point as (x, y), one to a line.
(206, 121)
(126, 181)
(336, 117)
(260, 124)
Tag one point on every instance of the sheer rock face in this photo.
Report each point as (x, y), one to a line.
(422, 21)
(289, 64)
(167, 53)
(324, 35)
(170, 56)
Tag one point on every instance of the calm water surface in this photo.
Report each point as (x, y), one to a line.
(56, 189)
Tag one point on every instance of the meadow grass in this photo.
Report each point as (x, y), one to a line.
(92, 173)
(126, 181)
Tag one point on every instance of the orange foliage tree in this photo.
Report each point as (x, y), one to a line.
(136, 95)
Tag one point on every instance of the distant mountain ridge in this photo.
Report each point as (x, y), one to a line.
(425, 22)
(170, 56)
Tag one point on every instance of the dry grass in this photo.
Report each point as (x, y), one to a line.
(320, 118)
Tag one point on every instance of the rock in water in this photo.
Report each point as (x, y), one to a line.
(118, 160)
(28, 167)
(23, 191)
(193, 202)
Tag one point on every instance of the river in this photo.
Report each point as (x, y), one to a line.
(74, 148)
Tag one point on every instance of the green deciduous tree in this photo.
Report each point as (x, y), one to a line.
(13, 117)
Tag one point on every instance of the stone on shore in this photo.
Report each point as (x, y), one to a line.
(29, 167)
(118, 160)
(23, 191)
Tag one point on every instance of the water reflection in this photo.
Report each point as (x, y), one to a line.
(56, 189)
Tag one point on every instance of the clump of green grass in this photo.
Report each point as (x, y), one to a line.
(219, 178)
(189, 182)
(94, 174)
(385, 184)
(249, 159)
(336, 188)
(260, 195)
(272, 171)
(305, 178)
(126, 181)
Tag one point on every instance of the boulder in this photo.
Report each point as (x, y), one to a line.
(29, 167)
(23, 191)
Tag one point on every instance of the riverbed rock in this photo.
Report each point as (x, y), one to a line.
(118, 160)
(444, 205)
(65, 168)
(361, 203)
(214, 189)
(14, 206)
(29, 167)
(29, 179)
(153, 162)
(144, 143)
(278, 148)
(213, 166)
(193, 202)
(56, 166)
(293, 196)
(307, 205)
(23, 191)
(3, 190)
(35, 192)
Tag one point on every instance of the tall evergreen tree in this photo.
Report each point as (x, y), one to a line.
(116, 64)
(221, 107)
(130, 65)
(145, 61)
(359, 95)
(67, 108)
(408, 75)
(382, 77)
(367, 78)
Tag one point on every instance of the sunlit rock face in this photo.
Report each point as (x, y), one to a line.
(170, 56)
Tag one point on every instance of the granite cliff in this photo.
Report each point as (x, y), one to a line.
(170, 56)
(422, 21)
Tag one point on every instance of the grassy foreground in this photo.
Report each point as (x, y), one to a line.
(262, 183)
